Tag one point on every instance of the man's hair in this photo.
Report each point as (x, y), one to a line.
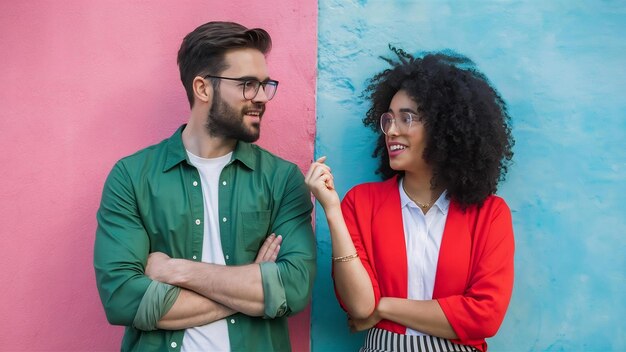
(202, 51)
(468, 137)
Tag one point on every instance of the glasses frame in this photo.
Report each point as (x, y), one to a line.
(399, 126)
(247, 81)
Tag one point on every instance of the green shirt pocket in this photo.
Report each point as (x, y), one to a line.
(256, 225)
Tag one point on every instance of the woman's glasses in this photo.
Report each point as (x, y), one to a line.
(403, 121)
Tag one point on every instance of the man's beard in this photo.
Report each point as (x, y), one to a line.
(224, 121)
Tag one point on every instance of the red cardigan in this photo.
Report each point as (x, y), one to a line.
(474, 278)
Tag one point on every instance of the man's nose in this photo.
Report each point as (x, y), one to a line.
(260, 96)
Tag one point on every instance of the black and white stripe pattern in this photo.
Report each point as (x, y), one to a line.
(379, 340)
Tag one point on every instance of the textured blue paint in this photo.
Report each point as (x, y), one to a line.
(561, 67)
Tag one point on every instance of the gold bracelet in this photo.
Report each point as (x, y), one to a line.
(345, 258)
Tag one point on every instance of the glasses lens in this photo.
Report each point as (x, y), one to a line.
(270, 88)
(250, 88)
(386, 120)
(404, 121)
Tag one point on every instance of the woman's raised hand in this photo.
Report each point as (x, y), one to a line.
(320, 181)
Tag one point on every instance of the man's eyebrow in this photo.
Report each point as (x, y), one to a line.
(252, 78)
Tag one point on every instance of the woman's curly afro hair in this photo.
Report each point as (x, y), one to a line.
(468, 137)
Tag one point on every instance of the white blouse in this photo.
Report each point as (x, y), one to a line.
(422, 236)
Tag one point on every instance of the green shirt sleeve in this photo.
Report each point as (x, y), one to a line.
(292, 280)
(156, 302)
(121, 250)
(273, 291)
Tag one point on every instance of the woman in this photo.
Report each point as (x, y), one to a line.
(424, 259)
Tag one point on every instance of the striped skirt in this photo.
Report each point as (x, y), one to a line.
(379, 340)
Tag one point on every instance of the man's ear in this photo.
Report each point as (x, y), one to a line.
(202, 89)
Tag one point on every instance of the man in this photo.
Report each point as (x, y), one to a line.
(204, 240)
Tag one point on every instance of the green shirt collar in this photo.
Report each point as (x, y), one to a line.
(176, 152)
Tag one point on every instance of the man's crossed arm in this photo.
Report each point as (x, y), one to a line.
(210, 292)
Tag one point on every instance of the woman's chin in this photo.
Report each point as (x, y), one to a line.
(396, 166)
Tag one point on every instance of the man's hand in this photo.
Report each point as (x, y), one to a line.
(269, 250)
(160, 266)
(157, 267)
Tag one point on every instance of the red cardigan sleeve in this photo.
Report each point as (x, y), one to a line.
(479, 311)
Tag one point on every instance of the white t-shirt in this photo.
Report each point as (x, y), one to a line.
(422, 235)
(213, 336)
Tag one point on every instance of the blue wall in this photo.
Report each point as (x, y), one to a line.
(560, 65)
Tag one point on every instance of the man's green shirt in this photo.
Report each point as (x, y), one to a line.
(152, 201)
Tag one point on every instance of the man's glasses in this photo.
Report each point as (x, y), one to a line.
(251, 86)
(403, 121)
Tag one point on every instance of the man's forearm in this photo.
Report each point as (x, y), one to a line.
(192, 309)
(237, 287)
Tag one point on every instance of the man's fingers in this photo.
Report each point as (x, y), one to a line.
(269, 249)
(157, 256)
(272, 251)
(275, 255)
(264, 247)
(266, 244)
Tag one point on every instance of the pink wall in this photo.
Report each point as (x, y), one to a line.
(81, 85)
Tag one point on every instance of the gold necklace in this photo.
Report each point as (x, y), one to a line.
(424, 206)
